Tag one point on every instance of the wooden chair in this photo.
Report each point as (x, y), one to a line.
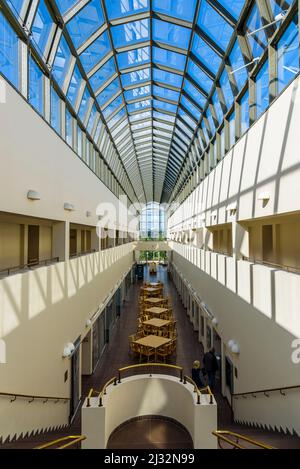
(147, 352)
(164, 352)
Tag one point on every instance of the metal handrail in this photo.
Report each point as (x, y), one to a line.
(100, 393)
(224, 434)
(32, 398)
(288, 268)
(264, 391)
(75, 439)
(9, 270)
(142, 365)
(208, 390)
(196, 389)
(83, 253)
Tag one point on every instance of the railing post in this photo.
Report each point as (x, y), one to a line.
(198, 399)
(119, 376)
(184, 380)
(88, 404)
(211, 401)
(115, 382)
(181, 375)
(100, 401)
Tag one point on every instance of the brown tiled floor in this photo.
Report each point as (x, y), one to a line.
(188, 349)
(150, 433)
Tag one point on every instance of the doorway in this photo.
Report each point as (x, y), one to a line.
(75, 379)
(33, 244)
(73, 242)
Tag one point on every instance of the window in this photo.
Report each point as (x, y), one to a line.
(79, 141)
(85, 22)
(95, 52)
(257, 41)
(61, 62)
(36, 86)
(16, 7)
(231, 123)
(55, 114)
(9, 54)
(288, 55)
(42, 27)
(74, 86)
(237, 62)
(262, 89)
(244, 110)
(69, 128)
(226, 89)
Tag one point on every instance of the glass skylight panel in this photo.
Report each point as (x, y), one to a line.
(205, 54)
(91, 120)
(182, 9)
(131, 33)
(169, 59)
(9, 52)
(233, 7)
(199, 76)
(65, 5)
(164, 126)
(198, 97)
(182, 136)
(190, 122)
(166, 93)
(113, 106)
(288, 55)
(167, 78)
(103, 74)
(74, 86)
(134, 57)
(16, 7)
(262, 89)
(98, 130)
(210, 122)
(258, 41)
(84, 104)
(142, 125)
(205, 133)
(190, 107)
(181, 144)
(111, 90)
(141, 116)
(42, 27)
(237, 61)
(217, 107)
(139, 106)
(85, 22)
(95, 52)
(35, 86)
(244, 112)
(171, 34)
(226, 89)
(164, 106)
(214, 25)
(61, 61)
(120, 9)
(136, 93)
(116, 118)
(165, 117)
(136, 77)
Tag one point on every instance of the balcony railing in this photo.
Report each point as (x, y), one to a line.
(31, 265)
(288, 268)
(83, 253)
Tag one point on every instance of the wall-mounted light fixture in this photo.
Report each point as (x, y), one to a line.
(33, 195)
(88, 323)
(232, 208)
(233, 346)
(264, 197)
(69, 207)
(215, 321)
(68, 350)
(88, 213)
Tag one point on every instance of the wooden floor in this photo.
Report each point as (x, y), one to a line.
(116, 356)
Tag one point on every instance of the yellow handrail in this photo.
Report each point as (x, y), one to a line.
(142, 365)
(75, 439)
(224, 434)
(196, 389)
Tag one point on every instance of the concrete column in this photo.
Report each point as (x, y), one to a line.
(61, 240)
(207, 239)
(95, 241)
(240, 241)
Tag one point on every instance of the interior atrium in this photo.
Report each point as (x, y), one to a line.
(149, 224)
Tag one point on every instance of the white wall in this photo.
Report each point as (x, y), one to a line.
(257, 306)
(265, 159)
(143, 395)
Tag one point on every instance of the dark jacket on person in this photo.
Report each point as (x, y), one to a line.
(197, 377)
(210, 362)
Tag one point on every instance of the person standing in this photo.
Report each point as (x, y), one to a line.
(197, 375)
(210, 363)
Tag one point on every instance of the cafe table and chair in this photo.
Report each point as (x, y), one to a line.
(152, 342)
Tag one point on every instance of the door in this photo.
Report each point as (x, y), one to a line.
(88, 241)
(98, 338)
(75, 379)
(73, 242)
(83, 241)
(33, 244)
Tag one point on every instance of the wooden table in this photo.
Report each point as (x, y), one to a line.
(155, 284)
(151, 290)
(156, 311)
(152, 341)
(154, 301)
(156, 322)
